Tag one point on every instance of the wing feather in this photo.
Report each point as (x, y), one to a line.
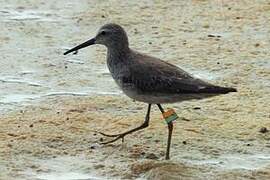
(152, 75)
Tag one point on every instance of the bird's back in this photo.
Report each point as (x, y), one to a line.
(151, 74)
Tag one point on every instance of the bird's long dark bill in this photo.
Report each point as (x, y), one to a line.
(83, 45)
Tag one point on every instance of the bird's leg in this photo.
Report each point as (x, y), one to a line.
(170, 129)
(122, 135)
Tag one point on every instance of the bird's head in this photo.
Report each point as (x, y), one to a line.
(111, 35)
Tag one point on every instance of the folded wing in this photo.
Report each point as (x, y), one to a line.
(156, 76)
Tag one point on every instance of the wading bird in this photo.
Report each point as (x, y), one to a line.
(148, 79)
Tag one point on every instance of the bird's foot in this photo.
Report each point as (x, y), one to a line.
(118, 136)
(108, 135)
(122, 135)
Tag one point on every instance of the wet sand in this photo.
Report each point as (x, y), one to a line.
(53, 104)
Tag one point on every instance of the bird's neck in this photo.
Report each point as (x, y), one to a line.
(117, 54)
(117, 59)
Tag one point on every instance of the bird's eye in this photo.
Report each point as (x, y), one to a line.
(102, 32)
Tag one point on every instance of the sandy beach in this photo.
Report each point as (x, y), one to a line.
(52, 105)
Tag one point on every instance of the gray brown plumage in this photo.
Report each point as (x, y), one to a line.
(148, 79)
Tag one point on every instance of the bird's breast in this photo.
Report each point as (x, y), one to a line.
(119, 72)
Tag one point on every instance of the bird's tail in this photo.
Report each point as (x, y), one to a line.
(218, 90)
